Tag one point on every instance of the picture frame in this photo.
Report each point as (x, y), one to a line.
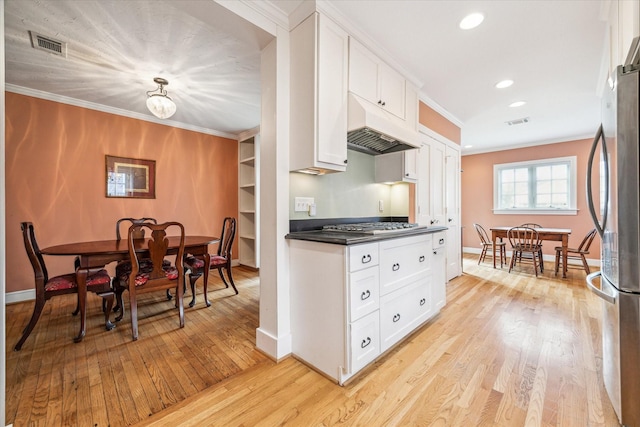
(130, 178)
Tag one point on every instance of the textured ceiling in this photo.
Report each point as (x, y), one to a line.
(552, 49)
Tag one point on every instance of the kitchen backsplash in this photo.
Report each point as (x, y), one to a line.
(349, 194)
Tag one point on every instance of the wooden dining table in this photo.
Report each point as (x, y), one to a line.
(102, 252)
(552, 234)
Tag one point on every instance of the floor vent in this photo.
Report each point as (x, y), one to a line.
(48, 44)
(518, 121)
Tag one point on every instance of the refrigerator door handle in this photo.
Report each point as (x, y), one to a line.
(599, 227)
(605, 296)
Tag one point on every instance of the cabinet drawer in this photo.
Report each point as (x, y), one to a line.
(363, 256)
(401, 311)
(439, 240)
(401, 260)
(364, 341)
(364, 292)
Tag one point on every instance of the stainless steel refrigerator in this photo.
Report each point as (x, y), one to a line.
(618, 224)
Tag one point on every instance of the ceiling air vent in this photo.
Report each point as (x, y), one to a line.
(518, 121)
(48, 44)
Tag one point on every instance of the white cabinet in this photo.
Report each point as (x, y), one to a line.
(438, 195)
(624, 25)
(438, 270)
(351, 303)
(319, 67)
(373, 80)
(397, 167)
(248, 201)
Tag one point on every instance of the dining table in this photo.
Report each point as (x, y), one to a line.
(552, 234)
(99, 253)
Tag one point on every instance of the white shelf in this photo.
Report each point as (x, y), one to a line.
(248, 203)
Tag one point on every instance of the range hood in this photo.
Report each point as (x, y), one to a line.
(372, 130)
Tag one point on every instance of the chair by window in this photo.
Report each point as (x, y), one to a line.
(533, 225)
(160, 276)
(98, 281)
(577, 254)
(525, 240)
(220, 261)
(487, 244)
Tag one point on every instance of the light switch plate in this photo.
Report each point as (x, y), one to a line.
(301, 204)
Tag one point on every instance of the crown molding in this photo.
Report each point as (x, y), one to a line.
(470, 152)
(111, 110)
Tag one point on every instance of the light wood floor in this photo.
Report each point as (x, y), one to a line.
(507, 350)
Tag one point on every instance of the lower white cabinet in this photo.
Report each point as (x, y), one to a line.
(352, 303)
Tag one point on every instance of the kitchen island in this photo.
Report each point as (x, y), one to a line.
(354, 296)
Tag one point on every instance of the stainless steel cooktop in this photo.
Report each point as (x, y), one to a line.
(371, 227)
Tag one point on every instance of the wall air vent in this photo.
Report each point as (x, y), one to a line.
(518, 121)
(48, 44)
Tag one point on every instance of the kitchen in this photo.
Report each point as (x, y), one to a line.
(272, 328)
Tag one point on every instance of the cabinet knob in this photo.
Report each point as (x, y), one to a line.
(450, 219)
(441, 241)
(345, 161)
(423, 301)
(365, 342)
(396, 317)
(364, 295)
(366, 259)
(435, 252)
(380, 102)
(395, 267)
(421, 259)
(384, 103)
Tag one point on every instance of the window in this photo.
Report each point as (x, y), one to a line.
(537, 187)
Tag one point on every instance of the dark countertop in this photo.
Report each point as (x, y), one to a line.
(351, 238)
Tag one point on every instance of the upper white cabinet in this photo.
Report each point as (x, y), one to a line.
(319, 77)
(397, 167)
(375, 81)
(624, 25)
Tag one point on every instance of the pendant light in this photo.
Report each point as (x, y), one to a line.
(158, 102)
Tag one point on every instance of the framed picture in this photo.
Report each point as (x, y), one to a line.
(131, 177)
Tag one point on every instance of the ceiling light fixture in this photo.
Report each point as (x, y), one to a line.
(504, 84)
(517, 104)
(471, 21)
(158, 102)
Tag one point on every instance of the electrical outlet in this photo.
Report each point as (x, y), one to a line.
(301, 204)
(381, 205)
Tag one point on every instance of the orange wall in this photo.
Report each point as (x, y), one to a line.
(477, 194)
(55, 178)
(436, 122)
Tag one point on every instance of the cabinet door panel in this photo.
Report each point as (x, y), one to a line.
(363, 256)
(452, 209)
(365, 341)
(332, 92)
(392, 90)
(437, 182)
(423, 202)
(363, 72)
(364, 288)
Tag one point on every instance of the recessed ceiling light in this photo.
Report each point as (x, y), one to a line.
(517, 104)
(471, 21)
(468, 146)
(504, 83)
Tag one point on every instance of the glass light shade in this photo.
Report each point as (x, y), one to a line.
(161, 106)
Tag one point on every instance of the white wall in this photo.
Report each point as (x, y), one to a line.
(351, 194)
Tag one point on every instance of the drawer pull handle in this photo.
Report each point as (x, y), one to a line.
(396, 317)
(366, 294)
(366, 259)
(365, 343)
(421, 259)
(441, 241)
(396, 267)
(423, 301)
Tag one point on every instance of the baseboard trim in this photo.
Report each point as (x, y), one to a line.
(20, 296)
(276, 348)
(551, 258)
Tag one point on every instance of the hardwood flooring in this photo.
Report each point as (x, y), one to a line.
(507, 350)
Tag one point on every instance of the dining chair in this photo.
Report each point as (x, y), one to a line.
(488, 244)
(577, 254)
(219, 261)
(533, 225)
(98, 281)
(524, 240)
(160, 276)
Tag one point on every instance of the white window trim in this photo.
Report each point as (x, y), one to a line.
(571, 210)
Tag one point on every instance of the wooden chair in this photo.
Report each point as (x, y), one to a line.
(525, 240)
(160, 277)
(533, 225)
(98, 281)
(220, 261)
(578, 254)
(487, 244)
